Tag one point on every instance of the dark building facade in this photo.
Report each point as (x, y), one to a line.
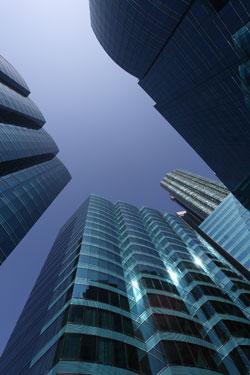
(199, 195)
(128, 291)
(192, 57)
(30, 174)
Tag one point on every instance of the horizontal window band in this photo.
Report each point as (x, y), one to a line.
(12, 166)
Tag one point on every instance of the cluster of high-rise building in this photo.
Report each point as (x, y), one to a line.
(211, 208)
(132, 292)
(135, 291)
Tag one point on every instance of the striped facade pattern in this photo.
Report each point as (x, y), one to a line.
(30, 174)
(129, 291)
(197, 194)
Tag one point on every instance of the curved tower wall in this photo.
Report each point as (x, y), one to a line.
(30, 174)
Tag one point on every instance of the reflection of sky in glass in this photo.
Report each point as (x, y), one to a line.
(110, 137)
(198, 261)
(136, 290)
(135, 284)
(173, 275)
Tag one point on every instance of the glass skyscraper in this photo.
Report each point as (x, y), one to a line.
(129, 291)
(229, 226)
(199, 195)
(192, 57)
(30, 174)
(209, 205)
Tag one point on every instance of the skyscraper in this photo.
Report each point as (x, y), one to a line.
(128, 291)
(199, 195)
(229, 226)
(210, 206)
(30, 174)
(192, 57)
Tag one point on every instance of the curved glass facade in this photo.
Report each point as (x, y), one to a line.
(131, 292)
(133, 33)
(10, 77)
(192, 58)
(19, 110)
(30, 175)
(24, 196)
(19, 143)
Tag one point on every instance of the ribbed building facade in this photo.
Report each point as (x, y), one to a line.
(199, 195)
(192, 57)
(129, 291)
(30, 174)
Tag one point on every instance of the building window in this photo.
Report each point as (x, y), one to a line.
(186, 354)
(245, 298)
(97, 317)
(166, 302)
(212, 307)
(238, 359)
(101, 295)
(87, 348)
(176, 324)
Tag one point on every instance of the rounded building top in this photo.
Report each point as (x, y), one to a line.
(10, 77)
(133, 32)
(18, 110)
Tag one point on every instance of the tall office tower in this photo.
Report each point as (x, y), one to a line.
(209, 205)
(128, 291)
(30, 174)
(192, 57)
(199, 195)
(229, 226)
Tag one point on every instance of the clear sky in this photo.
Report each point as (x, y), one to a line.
(112, 140)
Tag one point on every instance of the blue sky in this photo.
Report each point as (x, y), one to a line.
(112, 140)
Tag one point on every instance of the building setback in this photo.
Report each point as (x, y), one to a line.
(199, 195)
(31, 176)
(192, 57)
(128, 291)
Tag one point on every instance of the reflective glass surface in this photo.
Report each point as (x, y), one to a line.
(229, 226)
(30, 175)
(103, 305)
